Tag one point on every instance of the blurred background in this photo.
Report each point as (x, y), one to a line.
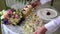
(5, 4)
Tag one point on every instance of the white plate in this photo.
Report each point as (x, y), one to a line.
(42, 13)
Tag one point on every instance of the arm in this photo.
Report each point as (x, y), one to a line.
(49, 26)
(41, 30)
(44, 1)
(39, 2)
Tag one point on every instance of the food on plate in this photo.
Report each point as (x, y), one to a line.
(34, 18)
(27, 10)
(31, 24)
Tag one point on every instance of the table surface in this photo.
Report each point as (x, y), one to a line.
(18, 29)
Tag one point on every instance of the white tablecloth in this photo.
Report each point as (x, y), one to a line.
(9, 29)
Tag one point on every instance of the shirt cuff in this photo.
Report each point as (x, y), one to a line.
(50, 26)
(53, 24)
(44, 1)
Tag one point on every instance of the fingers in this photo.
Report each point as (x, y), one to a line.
(35, 32)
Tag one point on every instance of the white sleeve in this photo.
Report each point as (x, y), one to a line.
(53, 24)
(44, 1)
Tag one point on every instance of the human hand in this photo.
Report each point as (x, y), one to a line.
(40, 30)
